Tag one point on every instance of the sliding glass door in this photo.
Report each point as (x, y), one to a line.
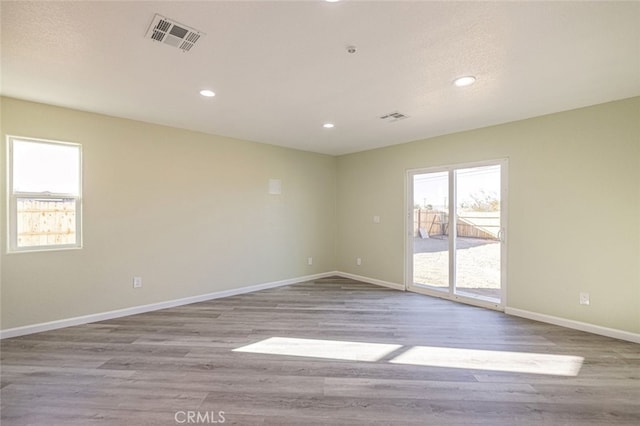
(456, 232)
(430, 244)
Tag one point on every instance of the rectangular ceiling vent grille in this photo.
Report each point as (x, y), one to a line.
(174, 34)
(393, 116)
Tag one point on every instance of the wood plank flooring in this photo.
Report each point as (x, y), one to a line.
(160, 367)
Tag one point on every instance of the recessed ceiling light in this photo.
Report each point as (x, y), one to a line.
(328, 125)
(467, 80)
(208, 93)
(332, 1)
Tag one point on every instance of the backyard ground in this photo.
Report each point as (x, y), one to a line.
(477, 262)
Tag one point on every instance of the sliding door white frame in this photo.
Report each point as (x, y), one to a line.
(409, 234)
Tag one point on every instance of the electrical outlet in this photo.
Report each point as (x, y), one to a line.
(584, 298)
(310, 261)
(376, 219)
(358, 261)
(137, 282)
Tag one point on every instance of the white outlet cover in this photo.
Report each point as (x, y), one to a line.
(137, 282)
(376, 219)
(584, 298)
(275, 186)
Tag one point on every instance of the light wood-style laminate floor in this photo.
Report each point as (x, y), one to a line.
(330, 352)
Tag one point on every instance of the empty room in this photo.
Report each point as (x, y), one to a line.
(320, 213)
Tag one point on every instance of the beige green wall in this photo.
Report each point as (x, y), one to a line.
(574, 209)
(190, 213)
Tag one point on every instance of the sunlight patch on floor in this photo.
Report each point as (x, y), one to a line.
(328, 349)
(430, 356)
(474, 359)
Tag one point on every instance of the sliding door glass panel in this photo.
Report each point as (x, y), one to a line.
(430, 230)
(477, 237)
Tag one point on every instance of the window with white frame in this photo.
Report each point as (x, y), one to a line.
(45, 194)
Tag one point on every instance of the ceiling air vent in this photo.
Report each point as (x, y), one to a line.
(173, 33)
(393, 116)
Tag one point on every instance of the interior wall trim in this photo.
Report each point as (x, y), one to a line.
(375, 281)
(563, 322)
(576, 325)
(103, 316)
(86, 319)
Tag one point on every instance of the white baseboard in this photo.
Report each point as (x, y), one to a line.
(68, 322)
(563, 322)
(103, 316)
(576, 325)
(375, 281)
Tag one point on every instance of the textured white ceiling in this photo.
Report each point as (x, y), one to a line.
(280, 69)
